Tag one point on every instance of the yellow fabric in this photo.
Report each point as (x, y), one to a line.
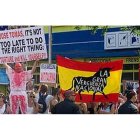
(66, 76)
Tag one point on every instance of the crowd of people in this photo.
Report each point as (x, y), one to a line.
(65, 104)
(39, 100)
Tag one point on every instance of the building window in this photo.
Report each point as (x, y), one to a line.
(127, 67)
(38, 79)
(136, 67)
(34, 77)
(29, 68)
(136, 76)
(37, 70)
(127, 76)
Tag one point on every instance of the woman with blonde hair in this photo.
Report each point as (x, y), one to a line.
(33, 106)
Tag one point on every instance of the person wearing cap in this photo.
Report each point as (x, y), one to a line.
(18, 78)
(129, 107)
(67, 106)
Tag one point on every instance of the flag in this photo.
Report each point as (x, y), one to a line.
(92, 82)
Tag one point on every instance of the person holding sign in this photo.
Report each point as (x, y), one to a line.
(18, 79)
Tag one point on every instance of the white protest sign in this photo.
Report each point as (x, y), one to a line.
(130, 84)
(48, 73)
(20, 45)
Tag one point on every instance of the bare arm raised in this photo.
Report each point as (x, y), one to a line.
(6, 66)
(34, 66)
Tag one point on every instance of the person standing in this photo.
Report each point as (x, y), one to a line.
(129, 107)
(18, 79)
(4, 107)
(43, 98)
(67, 106)
(107, 108)
(33, 106)
(83, 108)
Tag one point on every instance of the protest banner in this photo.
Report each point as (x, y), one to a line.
(21, 45)
(48, 73)
(92, 82)
(130, 85)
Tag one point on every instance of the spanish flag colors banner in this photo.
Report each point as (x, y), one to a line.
(92, 82)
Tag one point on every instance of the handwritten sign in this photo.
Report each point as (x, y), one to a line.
(130, 84)
(20, 45)
(48, 73)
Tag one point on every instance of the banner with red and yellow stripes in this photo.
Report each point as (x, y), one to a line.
(92, 82)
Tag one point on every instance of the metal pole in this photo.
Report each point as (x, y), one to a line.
(50, 44)
(139, 84)
(139, 78)
(50, 52)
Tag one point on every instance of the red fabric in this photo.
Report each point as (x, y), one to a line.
(84, 66)
(18, 101)
(98, 98)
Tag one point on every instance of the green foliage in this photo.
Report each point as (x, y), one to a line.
(94, 28)
(133, 29)
(78, 27)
